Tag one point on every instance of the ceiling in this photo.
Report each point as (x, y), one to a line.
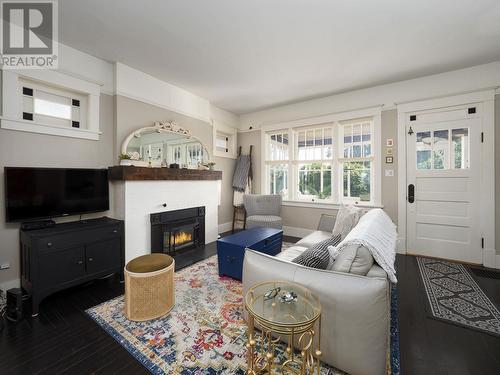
(246, 55)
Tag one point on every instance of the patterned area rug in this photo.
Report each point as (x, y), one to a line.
(455, 297)
(203, 335)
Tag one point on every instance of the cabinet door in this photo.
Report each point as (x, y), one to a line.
(103, 256)
(59, 267)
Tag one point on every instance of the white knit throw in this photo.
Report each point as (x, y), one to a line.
(376, 231)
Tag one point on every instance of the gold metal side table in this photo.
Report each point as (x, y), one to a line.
(288, 312)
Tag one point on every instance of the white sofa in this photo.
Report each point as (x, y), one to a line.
(355, 322)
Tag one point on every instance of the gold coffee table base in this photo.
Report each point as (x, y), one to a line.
(276, 328)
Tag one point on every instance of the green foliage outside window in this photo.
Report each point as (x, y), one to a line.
(310, 181)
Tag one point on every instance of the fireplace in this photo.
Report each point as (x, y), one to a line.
(174, 231)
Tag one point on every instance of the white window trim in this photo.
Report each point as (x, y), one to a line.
(374, 112)
(232, 143)
(486, 98)
(11, 117)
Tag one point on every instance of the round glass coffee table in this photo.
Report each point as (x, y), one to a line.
(288, 312)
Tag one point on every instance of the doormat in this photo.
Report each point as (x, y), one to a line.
(455, 297)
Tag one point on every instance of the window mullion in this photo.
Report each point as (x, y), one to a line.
(335, 168)
(291, 167)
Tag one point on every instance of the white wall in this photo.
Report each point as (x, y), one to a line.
(81, 65)
(458, 81)
(439, 85)
(138, 85)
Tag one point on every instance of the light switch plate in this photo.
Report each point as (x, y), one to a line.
(389, 173)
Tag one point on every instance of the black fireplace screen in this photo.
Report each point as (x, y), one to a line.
(172, 231)
(180, 238)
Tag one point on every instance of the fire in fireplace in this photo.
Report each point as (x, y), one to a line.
(181, 238)
(172, 231)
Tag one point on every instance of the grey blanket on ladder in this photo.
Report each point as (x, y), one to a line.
(242, 171)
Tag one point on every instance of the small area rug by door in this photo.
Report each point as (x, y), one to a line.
(455, 297)
(203, 334)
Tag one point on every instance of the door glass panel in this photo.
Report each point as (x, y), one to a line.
(460, 139)
(441, 149)
(424, 150)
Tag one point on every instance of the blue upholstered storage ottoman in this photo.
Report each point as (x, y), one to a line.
(231, 249)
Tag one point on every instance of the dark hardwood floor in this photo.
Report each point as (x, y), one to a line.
(430, 346)
(64, 340)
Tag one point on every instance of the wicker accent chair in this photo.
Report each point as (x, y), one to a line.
(263, 210)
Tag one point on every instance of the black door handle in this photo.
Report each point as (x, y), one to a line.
(411, 193)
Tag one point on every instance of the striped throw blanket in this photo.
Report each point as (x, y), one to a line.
(242, 172)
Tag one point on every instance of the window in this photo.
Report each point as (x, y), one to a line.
(356, 160)
(314, 154)
(224, 141)
(324, 163)
(49, 105)
(278, 163)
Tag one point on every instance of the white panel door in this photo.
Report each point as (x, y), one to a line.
(443, 182)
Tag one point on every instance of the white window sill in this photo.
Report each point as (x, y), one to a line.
(229, 155)
(35, 127)
(330, 206)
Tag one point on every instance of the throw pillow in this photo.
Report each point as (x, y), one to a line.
(347, 218)
(317, 256)
(355, 259)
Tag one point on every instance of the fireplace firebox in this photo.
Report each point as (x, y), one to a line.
(173, 231)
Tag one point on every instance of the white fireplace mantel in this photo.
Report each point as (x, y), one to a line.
(136, 200)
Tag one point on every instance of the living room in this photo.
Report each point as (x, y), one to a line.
(234, 187)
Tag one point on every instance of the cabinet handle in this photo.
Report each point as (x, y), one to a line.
(79, 262)
(91, 259)
(49, 244)
(115, 230)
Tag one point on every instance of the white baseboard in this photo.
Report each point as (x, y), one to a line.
(225, 227)
(497, 263)
(296, 232)
(489, 258)
(6, 285)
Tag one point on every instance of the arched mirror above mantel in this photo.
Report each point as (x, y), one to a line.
(165, 144)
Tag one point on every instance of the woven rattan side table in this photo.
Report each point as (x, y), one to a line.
(284, 311)
(149, 287)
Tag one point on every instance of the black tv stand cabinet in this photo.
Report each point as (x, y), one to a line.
(68, 254)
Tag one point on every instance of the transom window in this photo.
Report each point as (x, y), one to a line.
(51, 105)
(330, 162)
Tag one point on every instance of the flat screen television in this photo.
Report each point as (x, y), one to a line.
(43, 193)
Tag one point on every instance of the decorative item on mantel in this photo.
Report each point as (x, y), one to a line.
(125, 160)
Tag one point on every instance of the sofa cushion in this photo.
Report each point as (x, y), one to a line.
(376, 271)
(314, 238)
(318, 256)
(268, 221)
(347, 218)
(291, 253)
(355, 259)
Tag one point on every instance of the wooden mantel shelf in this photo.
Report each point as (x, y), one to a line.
(119, 173)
